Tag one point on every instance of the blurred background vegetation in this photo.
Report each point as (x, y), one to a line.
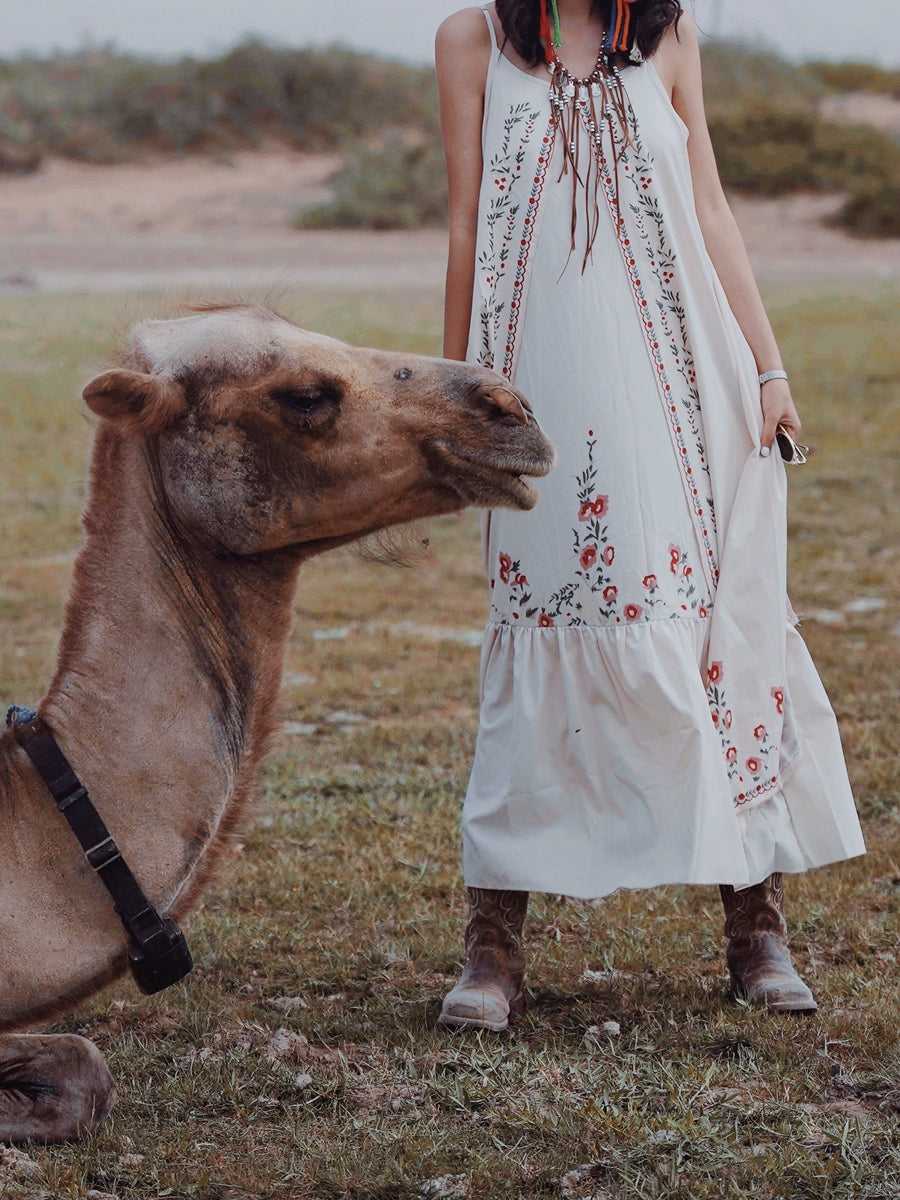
(98, 106)
(103, 107)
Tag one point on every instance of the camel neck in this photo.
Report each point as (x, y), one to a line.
(167, 676)
(171, 653)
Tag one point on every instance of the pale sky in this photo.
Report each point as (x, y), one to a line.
(405, 28)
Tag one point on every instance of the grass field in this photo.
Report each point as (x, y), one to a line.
(302, 1060)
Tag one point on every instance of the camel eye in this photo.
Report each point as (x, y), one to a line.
(403, 373)
(305, 401)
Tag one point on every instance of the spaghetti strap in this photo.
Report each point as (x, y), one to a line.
(490, 25)
(489, 81)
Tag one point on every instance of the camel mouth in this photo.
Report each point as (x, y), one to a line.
(489, 484)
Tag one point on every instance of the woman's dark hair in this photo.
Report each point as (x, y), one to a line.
(521, 18)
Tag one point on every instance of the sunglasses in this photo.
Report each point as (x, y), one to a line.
(792, 452)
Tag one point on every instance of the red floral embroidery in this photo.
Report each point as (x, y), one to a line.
(545, 621)
(766, 757)
(594, 508)
(517, 582)
(594, 555)
(778, 694)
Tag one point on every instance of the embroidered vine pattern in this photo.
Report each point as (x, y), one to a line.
(511, 576)
(593, 549)
(594, 553)
(692, 597)
(669, 350)
(751, 774)
(500, 255)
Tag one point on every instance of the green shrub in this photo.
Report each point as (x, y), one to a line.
(394, 186)
(770, 151)
(736, 74)
(873, 210)
(17, 158)
(764, 150)
(850, 156)
(856, 77)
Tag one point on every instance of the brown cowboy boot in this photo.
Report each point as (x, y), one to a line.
(757, 954)
(491, 983)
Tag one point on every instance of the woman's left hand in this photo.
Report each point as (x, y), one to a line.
(777, 409)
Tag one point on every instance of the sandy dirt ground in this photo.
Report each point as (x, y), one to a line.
(201, 223)
(861, 108)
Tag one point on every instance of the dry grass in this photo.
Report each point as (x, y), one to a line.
(338, 918)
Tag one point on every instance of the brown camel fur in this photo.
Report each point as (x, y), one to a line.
(232, 446)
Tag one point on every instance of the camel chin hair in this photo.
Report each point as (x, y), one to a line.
(400, 546)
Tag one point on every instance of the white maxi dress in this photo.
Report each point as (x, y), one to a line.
(649, 714)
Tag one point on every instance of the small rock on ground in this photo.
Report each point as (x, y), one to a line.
(596, 1033)
(16, 1164)
(286, 1046)
(573, 1181)
(446, 1187)
(131, 1160)
(286, 1004)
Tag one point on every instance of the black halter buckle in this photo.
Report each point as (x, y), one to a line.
(158, 964)
(157, 952)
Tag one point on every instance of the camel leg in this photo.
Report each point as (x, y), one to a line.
(53, 1088)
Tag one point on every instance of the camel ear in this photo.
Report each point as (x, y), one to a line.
(137, 404)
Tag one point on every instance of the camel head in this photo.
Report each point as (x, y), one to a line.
(266, 437)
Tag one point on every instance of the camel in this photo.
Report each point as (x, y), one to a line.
(232, 445)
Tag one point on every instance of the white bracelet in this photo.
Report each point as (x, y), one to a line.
(772, 375)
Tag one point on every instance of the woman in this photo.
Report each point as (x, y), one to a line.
(649, 714)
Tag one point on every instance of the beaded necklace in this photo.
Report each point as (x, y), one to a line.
(574, 101)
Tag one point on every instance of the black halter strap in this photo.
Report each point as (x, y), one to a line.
(158, 953)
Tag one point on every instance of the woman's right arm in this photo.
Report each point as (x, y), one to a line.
(462, 53)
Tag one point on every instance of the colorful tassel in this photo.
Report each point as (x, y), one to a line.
(551, 43)
(557, 35)
(619, 33)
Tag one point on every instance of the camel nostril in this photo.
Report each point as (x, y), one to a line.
(511, 403)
